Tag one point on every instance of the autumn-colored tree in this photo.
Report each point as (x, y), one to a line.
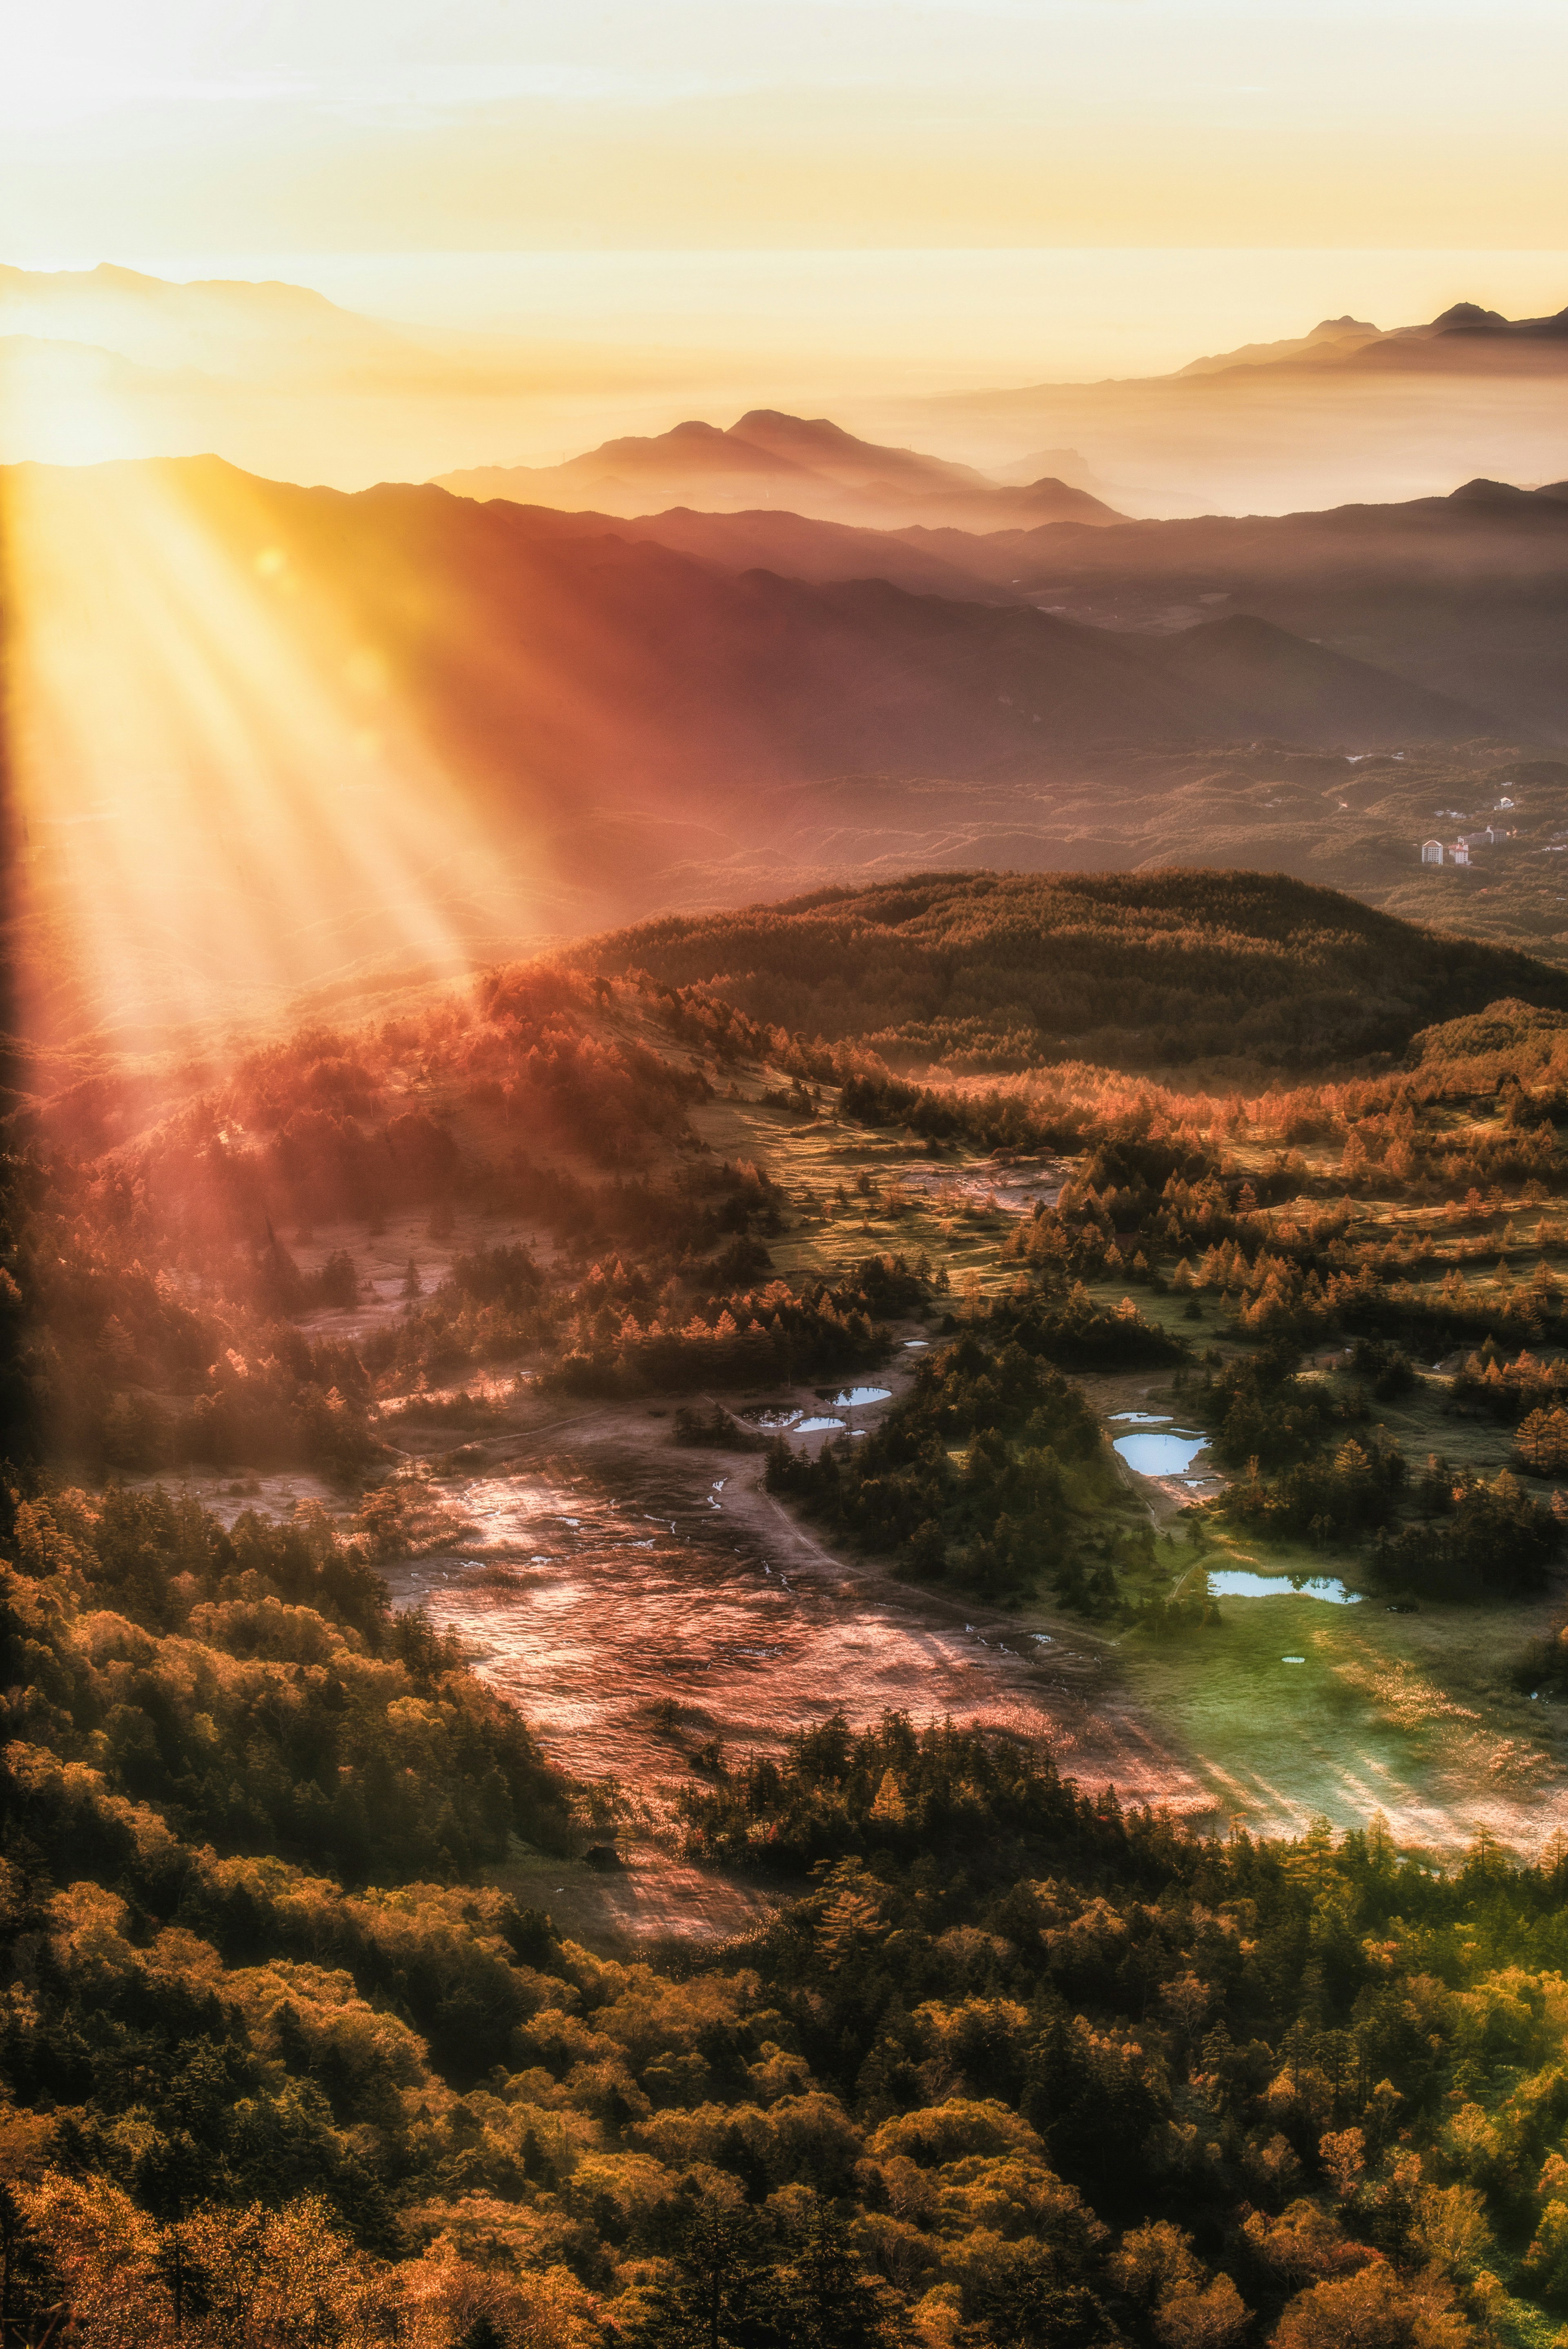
(1373, 2309)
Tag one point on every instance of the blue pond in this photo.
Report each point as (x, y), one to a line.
(1159, 1454)
(1234, 1582)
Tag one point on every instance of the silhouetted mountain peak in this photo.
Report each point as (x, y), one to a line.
(694, 445)
(1469, 318)
(769, 428)
(768, 458)
(827, 448)
(1483, 492)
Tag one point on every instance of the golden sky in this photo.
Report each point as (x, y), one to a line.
(435, 125)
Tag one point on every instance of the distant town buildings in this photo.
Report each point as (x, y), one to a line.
(1458, 852)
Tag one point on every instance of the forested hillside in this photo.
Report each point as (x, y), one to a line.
(1017, 2069)
(1138, 970)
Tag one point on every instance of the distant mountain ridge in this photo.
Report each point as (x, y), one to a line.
(811, 465)
(1465, 594)
(1351, 342)
(1462, 595)
(1348, 411)
(281, 380)
(550, 672)
(603, 651)
(267, 328)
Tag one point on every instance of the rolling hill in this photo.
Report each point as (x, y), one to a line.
(1134, 968)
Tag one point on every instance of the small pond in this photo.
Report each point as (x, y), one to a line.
(1234, 1582)
(851, 1398)
(814, 1427)
(1152, 1454)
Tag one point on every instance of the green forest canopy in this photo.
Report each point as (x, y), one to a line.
(1018, 2071)
(1011, 967)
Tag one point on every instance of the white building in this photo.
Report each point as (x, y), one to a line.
(1431, 851)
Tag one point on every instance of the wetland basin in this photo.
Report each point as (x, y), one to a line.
(609, 1571)
(594, 1568)
(595, 1593)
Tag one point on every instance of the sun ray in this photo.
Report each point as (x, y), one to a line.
(219, 789)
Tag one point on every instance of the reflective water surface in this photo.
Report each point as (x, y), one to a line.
(1234, 1582)
(1161, 1454)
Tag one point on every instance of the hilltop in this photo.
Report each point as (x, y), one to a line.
(1130, 969)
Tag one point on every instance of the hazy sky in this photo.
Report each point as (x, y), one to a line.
(394, 152)
(372, 124)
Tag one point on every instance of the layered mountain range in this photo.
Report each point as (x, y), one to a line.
(111, 362)
(1462, 595)
(1348, 410)
(809, 466)
(540, 654)
(550, 722)
(1461, 337)
(696, 667)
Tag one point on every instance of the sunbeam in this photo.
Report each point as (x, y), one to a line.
(219, 792)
